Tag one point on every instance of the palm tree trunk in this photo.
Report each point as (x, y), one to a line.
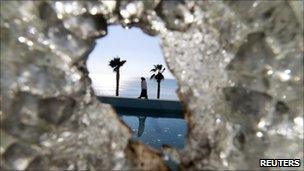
(158, 89)
(117, 82)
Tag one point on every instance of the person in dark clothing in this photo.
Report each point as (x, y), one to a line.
(143, 88)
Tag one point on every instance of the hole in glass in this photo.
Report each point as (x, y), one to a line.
(153, 121)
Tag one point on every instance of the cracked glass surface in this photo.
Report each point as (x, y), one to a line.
(239, 66)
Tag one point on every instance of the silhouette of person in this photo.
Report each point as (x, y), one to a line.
(141, 125)
(143, 88)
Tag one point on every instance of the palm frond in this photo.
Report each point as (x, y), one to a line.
(111, 63)
(159, 66)
(152, 76)
(153, 70)
(121, 63)
(159, 77)
(116, 63)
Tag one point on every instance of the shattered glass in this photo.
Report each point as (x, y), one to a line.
(239, 66)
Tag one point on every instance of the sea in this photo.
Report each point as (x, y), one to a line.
(131, 88)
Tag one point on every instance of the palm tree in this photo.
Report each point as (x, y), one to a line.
(116, 63)
(158, 76)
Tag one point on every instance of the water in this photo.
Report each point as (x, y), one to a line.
(131, 88)
(154, 130)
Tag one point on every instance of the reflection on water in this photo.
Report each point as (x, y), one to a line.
(141, 125)
(156, 130)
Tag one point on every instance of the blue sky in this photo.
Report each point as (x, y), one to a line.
(139, 49)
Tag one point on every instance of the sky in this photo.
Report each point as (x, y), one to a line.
(139, 49)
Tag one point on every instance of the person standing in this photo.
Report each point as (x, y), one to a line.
(143, 88)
